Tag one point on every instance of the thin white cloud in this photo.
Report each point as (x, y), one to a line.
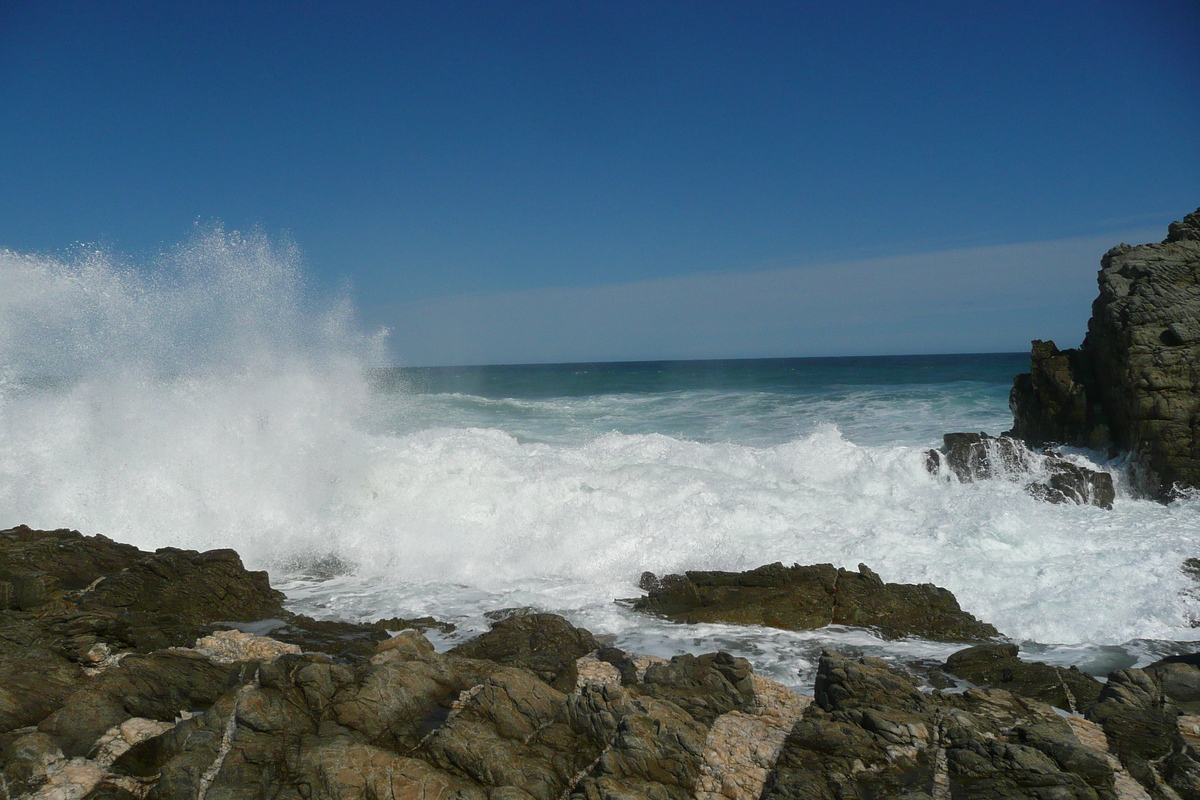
(980, 299)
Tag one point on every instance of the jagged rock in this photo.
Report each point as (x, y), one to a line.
(28, 762)
(39, 566)
(399, 694)
(873, 733)
(657, 751)
(402, 720)
(164, 597)
(1134, 383)
(706, 686)
(343, 769)
(997, 665)
(1178, 678)
(421, 624)
(545, 643)
(1050, 403)
(1144, 732)
(32, 685)
(977, 456)
(807, 597)
(157, 686)
(515, 731)
(322, 730)
(70, 592)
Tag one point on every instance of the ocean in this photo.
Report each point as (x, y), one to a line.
(208, 399)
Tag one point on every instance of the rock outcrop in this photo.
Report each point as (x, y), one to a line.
(873, 733)
(998, 665)
(503, 716)
(807, 597)
(1134, 384)
(1046, 475)
(534, 708)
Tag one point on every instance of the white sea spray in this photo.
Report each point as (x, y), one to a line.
(207, 400)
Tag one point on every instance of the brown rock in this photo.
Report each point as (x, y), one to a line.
(997, 665)
(873, 733)
(546, 644)
(807, 597)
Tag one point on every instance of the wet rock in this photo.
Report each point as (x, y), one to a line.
(807, 597)
(421, 624)
(997, 665)
(1133, 383)
(546, 644)
(1071, 483)
(977, 456)
(346, 640)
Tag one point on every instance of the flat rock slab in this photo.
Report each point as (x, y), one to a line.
(807, 597)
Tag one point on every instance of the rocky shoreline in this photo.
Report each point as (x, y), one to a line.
(176, 674)
(123, 674)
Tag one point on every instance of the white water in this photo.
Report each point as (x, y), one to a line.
(209, 402)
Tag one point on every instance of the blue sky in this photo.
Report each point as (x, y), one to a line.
(507, 182)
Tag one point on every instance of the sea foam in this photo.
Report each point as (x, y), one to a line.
(206, 400)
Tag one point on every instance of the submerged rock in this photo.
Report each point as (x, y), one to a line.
(977, 456)
(1134, 383)
(808, 597)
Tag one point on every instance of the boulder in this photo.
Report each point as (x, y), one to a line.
(808, 597)
(705, 686)
(1134, 383)
(546, 644)
(1046, 474)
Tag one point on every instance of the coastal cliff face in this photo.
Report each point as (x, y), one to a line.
(1134, 384)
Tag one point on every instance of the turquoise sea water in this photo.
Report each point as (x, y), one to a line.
(214, 406)
(873, 399)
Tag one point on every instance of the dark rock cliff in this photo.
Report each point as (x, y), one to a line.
(1134, 384)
